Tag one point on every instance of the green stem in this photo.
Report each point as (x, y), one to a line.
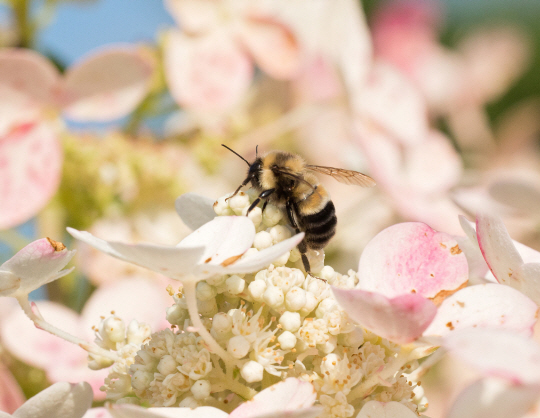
(21, 9)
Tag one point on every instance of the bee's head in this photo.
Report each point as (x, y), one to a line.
(255, 168)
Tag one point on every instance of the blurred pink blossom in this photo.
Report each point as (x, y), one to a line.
(209, 62)
(105, 85)
(11, 396)
(132, 298)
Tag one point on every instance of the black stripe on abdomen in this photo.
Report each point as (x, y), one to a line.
(320, 227)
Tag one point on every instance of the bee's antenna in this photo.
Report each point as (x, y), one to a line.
(257, 151)
(234, 152)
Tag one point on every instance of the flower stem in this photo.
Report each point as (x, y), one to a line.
(189, 289)
(25, 30)
(45, 326)
(390, 369)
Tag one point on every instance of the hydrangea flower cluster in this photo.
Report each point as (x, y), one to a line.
(274, 323)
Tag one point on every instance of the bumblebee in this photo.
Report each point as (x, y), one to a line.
(285, 180)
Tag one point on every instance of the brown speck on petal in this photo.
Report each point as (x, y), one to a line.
(461, 304)
(455, 250)
(58, 246)
(443, 294)
(231, 260)
(413, 291)
(207, 260)
(442, 245)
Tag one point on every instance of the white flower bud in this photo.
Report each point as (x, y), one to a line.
(98, 362)
(256, 289)
(252, 372)
(325, 305)
(176, 315)
(282, 260)
(113, 329)
(311, 303)
(216, 280)
(280, 233)
(141, 379)
(201, 389)
(262, 240)
(167, 365)
(255, 215)
(238, 203)
(221, 323)
(316, 260)
(207, 308)
(329, 345)
(287, 340)
(250, 252)
(290, 321)
(295, 299)
(205, 291)
(273, 296)
(355, 338)
(238, 346)
(235, 284)
(137, 333)
(272, 215)
(295, 255)
(327, 273)
(221, 207)
(189, 402)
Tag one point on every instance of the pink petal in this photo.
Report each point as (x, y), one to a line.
(134, 411)
(195, 16)
(11, 396)
(107, 85)
(97, 413)
(28, 82)
(374, 409)
(195, 210)
(38, 263)
(30, 170)
(497, 353)
(132, 298)
(499, 252)
(272, 44)
(61, 400)
(289, 395)
(529, 275)
(494, 398)
(412, 258)
(206, 73)
(394, 103)
(401, 319)
(485, 305)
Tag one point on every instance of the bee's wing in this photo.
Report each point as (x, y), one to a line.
(350, 177)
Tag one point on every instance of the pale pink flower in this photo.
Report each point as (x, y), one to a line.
(209, 64)
(511, 364)
(291, 398)
(133, 298)
(39, 263)
(406, 267)
(105, 85)
(374, 409)
(61, 400)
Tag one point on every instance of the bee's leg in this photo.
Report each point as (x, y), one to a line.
(302, 247)
(264, 194)
(264, 205)
(246, 181)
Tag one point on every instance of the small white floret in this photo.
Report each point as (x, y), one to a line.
(287, 340)
(290, 321)
(252, 372)
(201, 389)
(256, 289)
(262, 240)
(238, 346)
(295, 299)
(235, 284)
(273, 296)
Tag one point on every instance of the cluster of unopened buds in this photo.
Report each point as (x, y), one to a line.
(247, 317)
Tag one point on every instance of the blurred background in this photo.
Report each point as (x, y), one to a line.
(111, 109)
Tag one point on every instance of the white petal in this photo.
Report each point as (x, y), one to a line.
(485, 305)
(38, 263)
(529, 276)
(9, 283)
(174, 262)
(262, 258)
(494, 398)
(497, 353)
(108, 84)
(195, 210)
(498, 249)
(133, 411)
(283, 397)
(374, 409)
(61, 400)
(223, 237)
